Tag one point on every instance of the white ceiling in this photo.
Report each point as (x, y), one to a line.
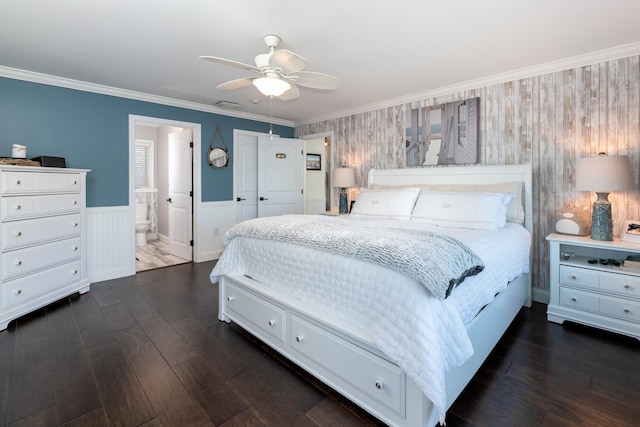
(381, 50)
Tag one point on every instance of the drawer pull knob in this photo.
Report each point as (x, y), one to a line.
(75, 182)
(75, 224)
(299, 338)
(379, 385)
(17, 292)
(626, 286)
(75, 248)
(18, 233)
(18, 263)
(74, 272)
(573, 277)
(573, 299)
(272, 322)
(229, 298)
(18, 207)
(626, 311)
(18, 182)
(75, 202)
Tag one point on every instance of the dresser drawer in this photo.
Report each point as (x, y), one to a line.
(25, 289)
(620, 308)
(23, 261)
(376, 377)
(575, 276)
(267, 318)
(22, 233)
(18, 207)
(578, 299)
(39, 182)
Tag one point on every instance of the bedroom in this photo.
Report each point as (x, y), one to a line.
(64, 117)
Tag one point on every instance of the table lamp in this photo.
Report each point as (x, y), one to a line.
(603, 174)
(343, 178)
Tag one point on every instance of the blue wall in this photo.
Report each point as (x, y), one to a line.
(92, 132)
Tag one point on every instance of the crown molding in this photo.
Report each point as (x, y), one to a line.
(30, 76)
(611, 54)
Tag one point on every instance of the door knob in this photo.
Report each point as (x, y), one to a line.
(169, 200)
(263, 198)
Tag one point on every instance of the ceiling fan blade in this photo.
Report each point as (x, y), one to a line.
(287, 61)
(231, 63)
(316, 80)
(292, 93)
(235, 84)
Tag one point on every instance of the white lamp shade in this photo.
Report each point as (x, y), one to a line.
(604, 174)
(271, 86)
(344, 177)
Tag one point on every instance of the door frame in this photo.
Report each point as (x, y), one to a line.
(329, 134)
(196, 173)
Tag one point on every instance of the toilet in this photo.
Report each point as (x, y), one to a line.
(142, 224)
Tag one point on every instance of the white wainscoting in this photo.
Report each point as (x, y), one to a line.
(215, 219)
(111, 243)
(111, 238)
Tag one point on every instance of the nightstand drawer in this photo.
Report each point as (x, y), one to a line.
(579, 277)
(623, 309)
(623, 285)
(578, 299)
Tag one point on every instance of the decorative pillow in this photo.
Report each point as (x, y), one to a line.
(515, 212)
(480, 211)
(385, 204)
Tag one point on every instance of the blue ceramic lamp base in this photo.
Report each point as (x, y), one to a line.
(343, 202)
(601, 222)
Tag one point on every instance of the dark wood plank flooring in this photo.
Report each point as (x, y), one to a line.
(148, 350)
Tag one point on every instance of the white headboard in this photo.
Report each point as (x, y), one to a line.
(461, 175)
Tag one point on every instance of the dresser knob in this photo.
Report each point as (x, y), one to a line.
(75, 224)
(75, 248)
(272, 322)
(573, 299)
(18, 207)
(18, 233)
(379, 385)
(75, 182)
(299, 338)
(17, 292)
(229, 298)
(75, 202)
(626, 286)
(573, 277)
(74, 272)
(18, 182)
(626, 311)
(18, 263)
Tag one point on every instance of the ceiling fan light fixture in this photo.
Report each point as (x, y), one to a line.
(271, 86)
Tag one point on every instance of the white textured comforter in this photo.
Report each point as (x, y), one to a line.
(421, 334)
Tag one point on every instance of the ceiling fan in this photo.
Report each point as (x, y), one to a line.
(279, 73)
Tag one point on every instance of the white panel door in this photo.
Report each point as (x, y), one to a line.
(180, 194)
(280, 176)
(245, 149)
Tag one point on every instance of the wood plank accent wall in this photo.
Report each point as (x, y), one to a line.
(550, 121)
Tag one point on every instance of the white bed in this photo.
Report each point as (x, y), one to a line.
(329, 324)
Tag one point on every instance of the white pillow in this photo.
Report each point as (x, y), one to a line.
(480, 211)
(515, 212)
(385, 204)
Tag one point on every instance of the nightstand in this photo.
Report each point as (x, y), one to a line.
(605, 296)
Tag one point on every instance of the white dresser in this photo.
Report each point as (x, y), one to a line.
(43, 237)
(591, 292)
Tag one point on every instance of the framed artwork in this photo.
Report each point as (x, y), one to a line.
(445, 134)
(314, 162)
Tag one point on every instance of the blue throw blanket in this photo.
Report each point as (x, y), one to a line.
(437, 261)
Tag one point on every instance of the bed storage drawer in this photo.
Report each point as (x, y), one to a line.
(262, 316)
(374, 376)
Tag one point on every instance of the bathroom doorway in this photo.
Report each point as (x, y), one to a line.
(157, 226)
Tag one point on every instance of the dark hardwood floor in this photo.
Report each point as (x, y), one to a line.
(148, 350)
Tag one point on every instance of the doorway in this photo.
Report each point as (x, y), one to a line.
(170, 238)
